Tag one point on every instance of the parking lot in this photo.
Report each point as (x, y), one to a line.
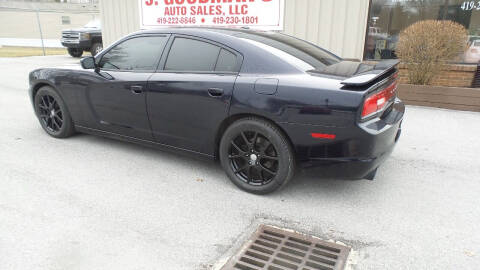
(93, 203)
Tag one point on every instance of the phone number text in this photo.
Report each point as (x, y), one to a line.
(236, 20)
(176, 20)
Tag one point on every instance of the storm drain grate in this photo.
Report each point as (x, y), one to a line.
(276, 249)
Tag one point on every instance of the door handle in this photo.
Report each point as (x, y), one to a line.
(136, 89)
(215, 92)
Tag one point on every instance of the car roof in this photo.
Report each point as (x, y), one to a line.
(202, 29)
(259, 58)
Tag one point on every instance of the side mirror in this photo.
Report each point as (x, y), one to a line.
(88, 62)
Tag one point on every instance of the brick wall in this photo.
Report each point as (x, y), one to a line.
(451, 75)
(467, 99)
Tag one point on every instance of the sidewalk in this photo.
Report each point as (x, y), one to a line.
(30, 42)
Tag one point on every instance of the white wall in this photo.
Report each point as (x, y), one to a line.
(119, 18)
(24, 24)
(336, 25)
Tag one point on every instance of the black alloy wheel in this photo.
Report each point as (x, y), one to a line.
(253, 158)
(256, 156)
(52, 113)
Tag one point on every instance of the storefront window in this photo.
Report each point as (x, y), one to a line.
(389, 17)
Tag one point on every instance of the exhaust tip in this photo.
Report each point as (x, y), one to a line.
(371, 175)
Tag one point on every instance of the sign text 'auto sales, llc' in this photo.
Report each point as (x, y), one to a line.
(259, 14)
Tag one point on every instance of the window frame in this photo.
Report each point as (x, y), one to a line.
(168, 47)
(236, 68)
(66, 20)
(159, 56)
(369, 7)
(368, 23)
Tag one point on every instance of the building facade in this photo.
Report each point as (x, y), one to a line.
(387, 18)
(337, 25)
(21, 19)
(353, 29)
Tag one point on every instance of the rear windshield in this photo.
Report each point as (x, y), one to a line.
(302, 54)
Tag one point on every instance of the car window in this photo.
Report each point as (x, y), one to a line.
(227, 61)
(139, 53)
(300, 53)
(192, 55)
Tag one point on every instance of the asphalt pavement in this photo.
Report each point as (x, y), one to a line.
(93, 203)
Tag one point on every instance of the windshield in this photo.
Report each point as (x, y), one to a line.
(297, 52)
(93, 24)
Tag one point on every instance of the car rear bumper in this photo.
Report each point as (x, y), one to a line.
(347, 168)
(355, 152)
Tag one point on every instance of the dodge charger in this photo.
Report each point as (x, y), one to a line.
(264, 104)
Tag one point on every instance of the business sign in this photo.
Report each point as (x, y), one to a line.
(258, 14)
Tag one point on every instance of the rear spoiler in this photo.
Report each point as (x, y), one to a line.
(368, 77)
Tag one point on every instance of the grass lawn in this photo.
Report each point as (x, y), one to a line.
(10, 51)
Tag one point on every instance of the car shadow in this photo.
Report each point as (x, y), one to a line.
(305, 183)
(152, 152)
(301, 182)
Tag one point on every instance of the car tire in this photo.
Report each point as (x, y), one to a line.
(74, 52)
(96, 48)
(52, 113)
(256, 156)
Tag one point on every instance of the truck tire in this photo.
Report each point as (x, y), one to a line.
(75, 52)
(96, 48)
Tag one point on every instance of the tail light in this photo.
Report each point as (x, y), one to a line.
(377, 101)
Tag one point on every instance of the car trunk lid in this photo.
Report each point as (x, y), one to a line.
(358, 75)
(378, 82)
(372, 75)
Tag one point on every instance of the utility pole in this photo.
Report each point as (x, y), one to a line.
(40, 28)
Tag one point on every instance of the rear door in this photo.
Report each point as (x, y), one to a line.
(190, 94)
(116, 97)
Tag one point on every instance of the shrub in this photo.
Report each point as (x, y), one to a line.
(426, 46)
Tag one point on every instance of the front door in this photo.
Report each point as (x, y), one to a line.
(188, 99)
(117, 97)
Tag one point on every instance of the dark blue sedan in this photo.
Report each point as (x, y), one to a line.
(263, 103)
